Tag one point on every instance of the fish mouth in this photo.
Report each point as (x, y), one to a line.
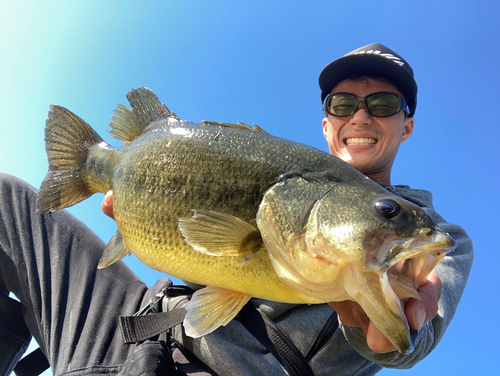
(409, 262)
(378, 284)
(382, 286)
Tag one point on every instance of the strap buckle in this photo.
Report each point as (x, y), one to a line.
(170, 292)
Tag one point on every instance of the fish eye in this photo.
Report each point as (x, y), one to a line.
(390, 209)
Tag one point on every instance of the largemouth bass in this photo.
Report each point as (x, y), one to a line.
(244, 213)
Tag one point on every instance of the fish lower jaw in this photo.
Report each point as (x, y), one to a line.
(360, 141)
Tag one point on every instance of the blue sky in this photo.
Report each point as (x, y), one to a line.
(258, 61)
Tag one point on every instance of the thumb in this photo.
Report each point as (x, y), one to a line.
(107, 205)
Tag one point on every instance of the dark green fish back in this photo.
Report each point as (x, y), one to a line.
(217, 167)
(176, 167)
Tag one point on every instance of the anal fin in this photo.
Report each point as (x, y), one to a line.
(210, 308)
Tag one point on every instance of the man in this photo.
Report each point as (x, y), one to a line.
(49, 261)
(369, 141)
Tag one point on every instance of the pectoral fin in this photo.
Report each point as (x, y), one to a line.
(114, 251)
(219, 234)
(210, 308)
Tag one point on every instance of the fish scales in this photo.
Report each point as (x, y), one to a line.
(244, 213)
(192, 168)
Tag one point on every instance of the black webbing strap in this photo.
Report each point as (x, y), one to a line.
(275, 341)
(326, 333)
(147, 323)
(140, 328)
(32, 364)
(143, 326)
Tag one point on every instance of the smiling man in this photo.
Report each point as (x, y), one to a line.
(369, 99)
(364, 139)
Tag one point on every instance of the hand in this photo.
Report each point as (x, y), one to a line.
(107, 205)
(418, 313)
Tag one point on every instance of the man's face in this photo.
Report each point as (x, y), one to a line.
(368, 143)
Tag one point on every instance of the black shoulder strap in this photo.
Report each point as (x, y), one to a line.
(275, 340)
(148, 323)
(140, 327)
(331, 325)
(32, 364)
(14, 340)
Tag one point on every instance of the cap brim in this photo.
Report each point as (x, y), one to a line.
(367, 65)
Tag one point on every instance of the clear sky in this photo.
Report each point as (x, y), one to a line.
(258, 61)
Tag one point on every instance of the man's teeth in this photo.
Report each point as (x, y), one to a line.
(360, 141)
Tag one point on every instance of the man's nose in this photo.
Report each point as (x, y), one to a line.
(361, 115)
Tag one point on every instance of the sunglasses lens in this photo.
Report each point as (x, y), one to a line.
(341, 104)
(379, 104)
(383, 104)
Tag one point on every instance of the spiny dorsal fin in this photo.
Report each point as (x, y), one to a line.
(126, 125)
(238, 125)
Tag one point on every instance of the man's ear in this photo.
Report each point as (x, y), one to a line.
(408, 129)
(325, 127)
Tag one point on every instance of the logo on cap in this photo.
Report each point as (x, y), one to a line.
(391, 57)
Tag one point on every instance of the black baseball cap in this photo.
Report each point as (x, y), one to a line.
(373, 60)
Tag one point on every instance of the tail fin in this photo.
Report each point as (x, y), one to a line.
(68, 140)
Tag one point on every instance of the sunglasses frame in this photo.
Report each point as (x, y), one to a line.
(403, 106)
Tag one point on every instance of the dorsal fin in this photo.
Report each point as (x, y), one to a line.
(126, 125)
(238, 125)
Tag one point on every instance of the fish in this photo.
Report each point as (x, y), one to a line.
(243, 213)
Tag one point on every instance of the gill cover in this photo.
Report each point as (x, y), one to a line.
(282, 220)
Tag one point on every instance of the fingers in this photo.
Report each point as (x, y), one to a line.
(420, 312)
(377, 341)
(107, 204)
(351, 314)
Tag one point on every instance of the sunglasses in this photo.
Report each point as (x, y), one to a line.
(382, 104)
